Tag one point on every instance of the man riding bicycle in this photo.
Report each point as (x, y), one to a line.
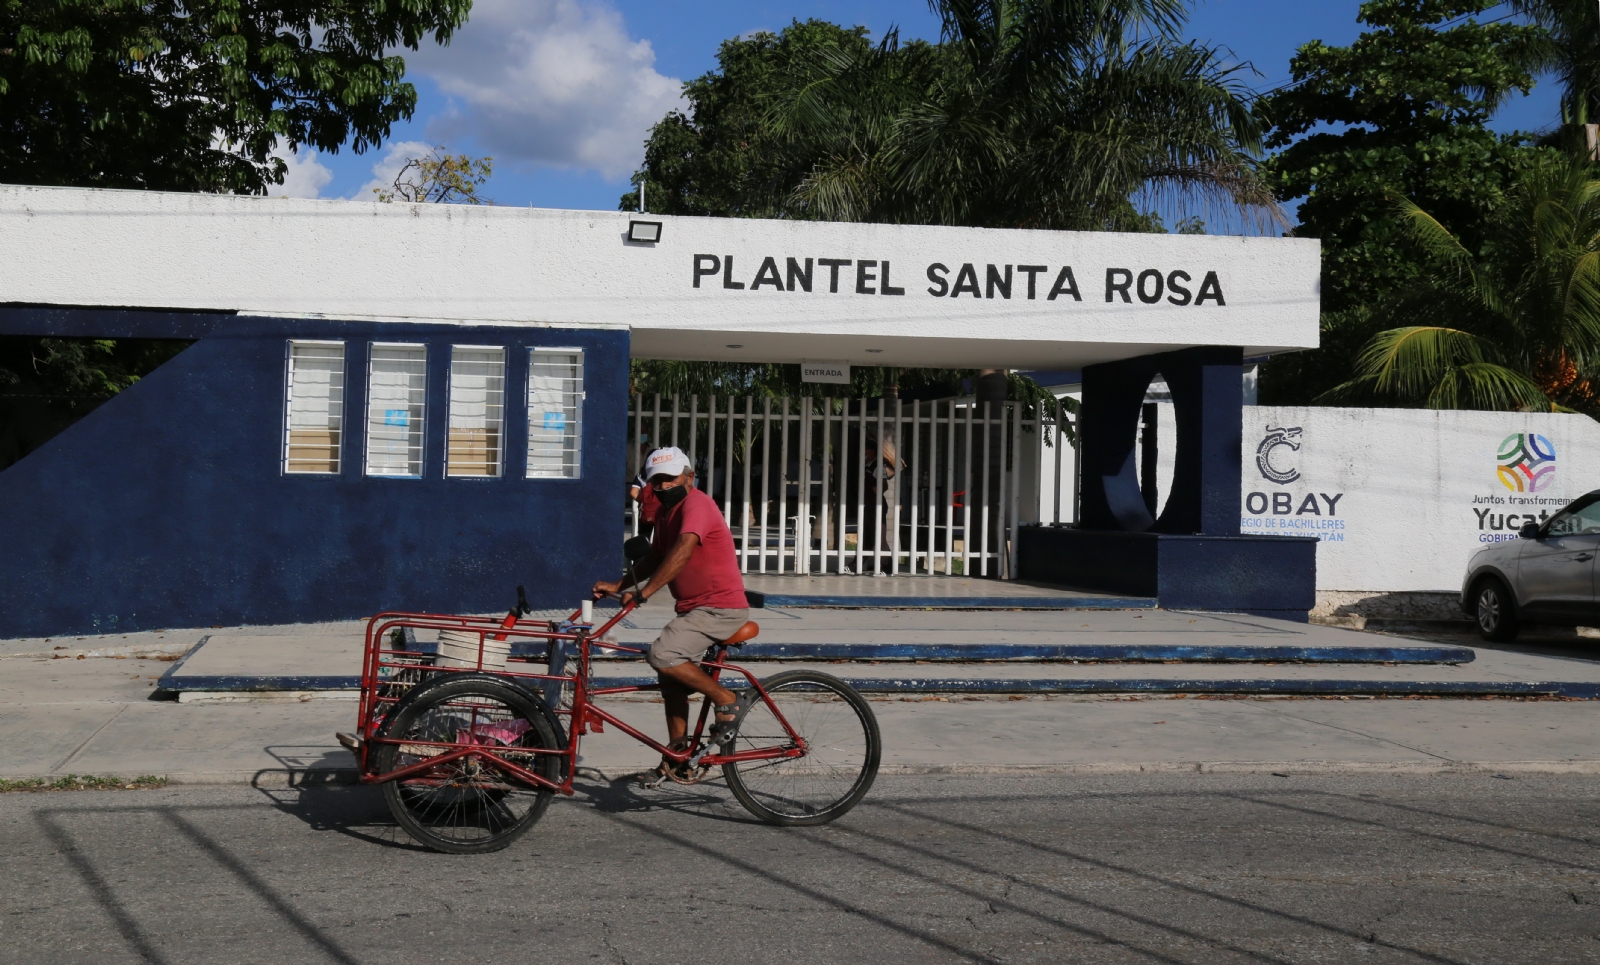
(691, 553)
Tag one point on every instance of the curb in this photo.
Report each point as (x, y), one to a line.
(1585, 690)
(66, 654)
(278, 778)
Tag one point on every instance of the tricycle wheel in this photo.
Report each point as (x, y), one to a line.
(471, 804)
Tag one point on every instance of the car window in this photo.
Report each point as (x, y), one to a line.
(1585, 520)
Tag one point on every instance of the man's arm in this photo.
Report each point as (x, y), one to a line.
(643, 568)
(668, 570)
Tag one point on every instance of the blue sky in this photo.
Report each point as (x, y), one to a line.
(562, 92)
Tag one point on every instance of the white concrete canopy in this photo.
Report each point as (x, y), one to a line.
(711, 288)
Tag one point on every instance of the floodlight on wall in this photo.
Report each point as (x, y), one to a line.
(648, 232)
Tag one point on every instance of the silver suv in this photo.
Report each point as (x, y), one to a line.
(1547, 575)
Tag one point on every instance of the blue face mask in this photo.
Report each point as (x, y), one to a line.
(672, 497)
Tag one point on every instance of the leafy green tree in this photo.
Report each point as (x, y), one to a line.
(1028, 113)
(1399, 114)
(1513, 323)
(722, 158)
(180, 95)
(771, 380)
(192, 95)
(776, 379)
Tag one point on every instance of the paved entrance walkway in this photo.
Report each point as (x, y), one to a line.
(60, 714)
(94, 716)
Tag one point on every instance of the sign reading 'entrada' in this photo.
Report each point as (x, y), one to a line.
(871, 277)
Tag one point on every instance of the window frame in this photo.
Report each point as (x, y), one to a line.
(449, 390)
(285, 446)
(582, 396)
(422, 455)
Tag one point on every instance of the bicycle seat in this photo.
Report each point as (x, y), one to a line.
(746, 632)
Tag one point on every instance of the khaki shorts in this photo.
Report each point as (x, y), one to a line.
(689, 636)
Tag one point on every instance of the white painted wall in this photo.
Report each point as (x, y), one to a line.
(1414, 492)
(450, 263)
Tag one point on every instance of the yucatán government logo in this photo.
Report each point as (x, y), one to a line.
(1273, 460)
(1526, 463)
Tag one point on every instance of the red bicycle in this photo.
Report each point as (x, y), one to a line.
(471, 741)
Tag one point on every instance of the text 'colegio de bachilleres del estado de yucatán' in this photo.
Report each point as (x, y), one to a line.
(858, 276)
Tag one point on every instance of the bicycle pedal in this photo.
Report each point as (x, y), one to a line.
(695, 775)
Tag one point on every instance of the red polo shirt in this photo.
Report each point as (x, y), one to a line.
(711, 577)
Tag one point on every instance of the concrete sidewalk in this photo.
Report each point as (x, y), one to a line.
(94, 716)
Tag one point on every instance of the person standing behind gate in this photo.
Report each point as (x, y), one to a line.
(860, 488)
(640, 492)
(692, 554)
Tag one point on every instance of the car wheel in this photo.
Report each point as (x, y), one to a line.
(1496, 612)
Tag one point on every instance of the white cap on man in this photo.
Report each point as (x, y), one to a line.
(669, 461)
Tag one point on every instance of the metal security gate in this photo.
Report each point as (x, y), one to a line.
(867, 486)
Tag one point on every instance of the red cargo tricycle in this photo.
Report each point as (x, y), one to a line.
(472, 737)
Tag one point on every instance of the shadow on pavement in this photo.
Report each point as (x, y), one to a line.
(902, 837)
(625, 795)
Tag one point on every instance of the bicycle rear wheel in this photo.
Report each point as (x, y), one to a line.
(842, 748)
(469, 805)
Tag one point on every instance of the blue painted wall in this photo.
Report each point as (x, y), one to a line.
(167, 505)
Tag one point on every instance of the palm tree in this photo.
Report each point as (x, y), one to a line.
(1513, 326)
(1029, 113)
(1574, 53)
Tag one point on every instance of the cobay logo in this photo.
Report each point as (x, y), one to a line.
(1526, 462)
(1309, 513)
(1271, 462)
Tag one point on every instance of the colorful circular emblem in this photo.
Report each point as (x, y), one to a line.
(1527, 462)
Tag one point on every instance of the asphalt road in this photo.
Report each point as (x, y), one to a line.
(1169, 868)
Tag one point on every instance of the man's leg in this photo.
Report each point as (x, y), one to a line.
(673, 656)
(676, 682)
(676, 698)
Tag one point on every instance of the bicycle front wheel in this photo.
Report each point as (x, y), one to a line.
(841, 743)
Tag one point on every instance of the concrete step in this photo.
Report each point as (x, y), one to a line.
(929, 592)
(1501, 675)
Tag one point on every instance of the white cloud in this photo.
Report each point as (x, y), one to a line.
(554, 82)
(395, 156)
(306, 176)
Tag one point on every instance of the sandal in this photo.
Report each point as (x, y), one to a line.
(722, 731)
(679, 772)
(720, 736)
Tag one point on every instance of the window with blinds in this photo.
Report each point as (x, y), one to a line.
(313, 418)
(477, 410)
(555, 413)
(397, 384)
